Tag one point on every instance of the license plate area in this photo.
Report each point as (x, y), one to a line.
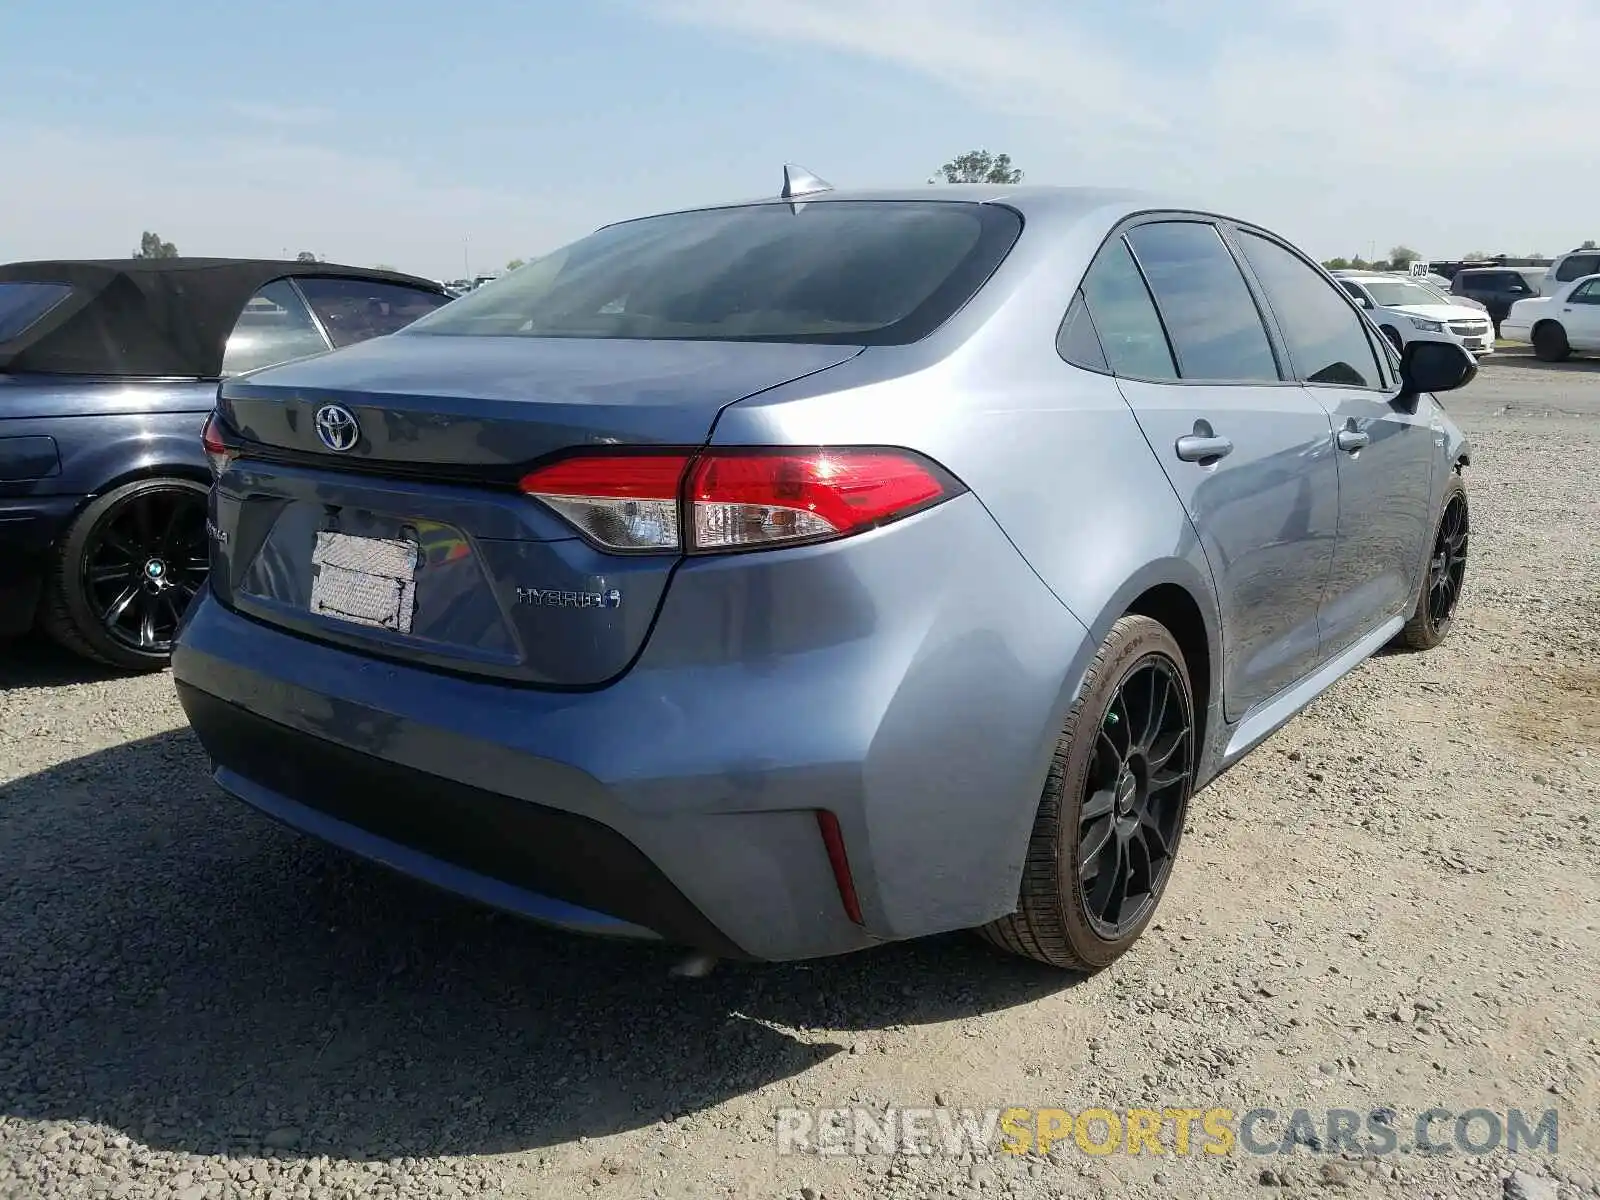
(363, 580)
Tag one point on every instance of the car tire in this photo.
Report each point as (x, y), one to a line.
(119, 546)
(1439, 593)
(1550, 342)
(1061, 914)
(1393, 334)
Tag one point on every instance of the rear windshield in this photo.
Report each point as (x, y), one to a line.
(21, 304)
(1576, 266)
(858, 272)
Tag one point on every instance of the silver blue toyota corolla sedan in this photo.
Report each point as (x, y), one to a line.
(786, 577)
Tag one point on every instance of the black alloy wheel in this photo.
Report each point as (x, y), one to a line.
(1111, 815)
(130, 565)
(1132, 810)
(1439, 596)
(1447, 569)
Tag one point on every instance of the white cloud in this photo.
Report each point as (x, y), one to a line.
(990, 51)
(91, 195)
(267, 113)
(1347, 125)
(1460, 121)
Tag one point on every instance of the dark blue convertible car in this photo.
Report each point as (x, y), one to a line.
(107, 372)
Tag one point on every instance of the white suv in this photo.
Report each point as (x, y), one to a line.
(1406, 310)
(1574, 264)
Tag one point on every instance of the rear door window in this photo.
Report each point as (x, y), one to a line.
(1588, 293)
(274, 327)
(1209, 313)
(24, 304)
(353, 310)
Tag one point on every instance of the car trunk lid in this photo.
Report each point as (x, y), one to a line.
(415, 542)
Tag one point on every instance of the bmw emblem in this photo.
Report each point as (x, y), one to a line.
(337, 427)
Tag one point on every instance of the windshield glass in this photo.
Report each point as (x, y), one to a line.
(1401, 292)
(859, 272)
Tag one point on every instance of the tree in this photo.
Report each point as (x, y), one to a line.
(305, 256)
(151, 246)
(979, 166)
(514, 264)
(1403, 256)
(1588, 245)
(1337, 264)
(383, 267)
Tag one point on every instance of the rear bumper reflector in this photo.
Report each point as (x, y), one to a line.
(833, 839)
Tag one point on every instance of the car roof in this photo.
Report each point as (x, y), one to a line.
(1058, 202)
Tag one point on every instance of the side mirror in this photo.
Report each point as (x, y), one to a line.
(1435, 367)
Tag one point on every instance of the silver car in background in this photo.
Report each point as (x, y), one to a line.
(786, 577)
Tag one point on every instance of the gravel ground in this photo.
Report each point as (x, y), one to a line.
(1393, 903)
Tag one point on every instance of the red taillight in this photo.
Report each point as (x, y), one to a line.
(757, 499)
(622, 501)
(735, 499)
(217, 452)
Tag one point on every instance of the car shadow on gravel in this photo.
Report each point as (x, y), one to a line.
(33, 661)
(186, 972)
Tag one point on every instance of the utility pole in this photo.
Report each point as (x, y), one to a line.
(466, 261)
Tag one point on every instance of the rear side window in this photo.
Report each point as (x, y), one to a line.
(23, 304)
(1125, 317)
(853, 272)
(1077, 341)
(1327, 338)
(274, 327)
(1577, 266)
(353, 310)
(1204, 301)
(1588, 293)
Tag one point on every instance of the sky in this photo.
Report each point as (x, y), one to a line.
(440, 138)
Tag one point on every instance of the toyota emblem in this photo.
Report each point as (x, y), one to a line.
(337, 427)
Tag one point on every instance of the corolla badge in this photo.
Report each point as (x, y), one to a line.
(337, 427)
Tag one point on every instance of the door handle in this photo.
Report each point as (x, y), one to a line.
(1351, 440)
(1192, 447)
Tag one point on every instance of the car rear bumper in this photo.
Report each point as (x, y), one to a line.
(503, 852)
(682, 800)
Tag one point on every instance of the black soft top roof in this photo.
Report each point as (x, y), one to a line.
(151, 316)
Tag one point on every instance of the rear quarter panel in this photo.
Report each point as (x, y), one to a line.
(105, 429)
(1051, 451)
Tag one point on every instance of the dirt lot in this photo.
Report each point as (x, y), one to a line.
(1394, 903)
